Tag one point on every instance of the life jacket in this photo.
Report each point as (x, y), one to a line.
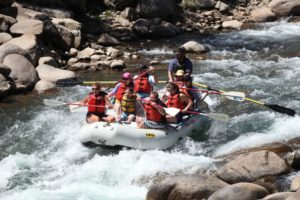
(174, 102)
(121, 90)
(98, 101)
(180, 84)
(153, 114)
(128, 104)
(142, 85)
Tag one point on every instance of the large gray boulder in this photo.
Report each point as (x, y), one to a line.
(156, 9)
(285, 7)
(52, 74)
(185, 187)
(263, 14)
(107, 40)
(251, 167)
(154, 28)
(43, 85)
(22, 71)
(240, 191)
(278, 196)
(295, 196)
(5, 37)
(7, 49)
(27, 26)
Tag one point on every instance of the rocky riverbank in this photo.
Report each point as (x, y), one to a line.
(40, 40)
(248, 174)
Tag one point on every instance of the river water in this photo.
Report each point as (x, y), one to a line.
(41, 157)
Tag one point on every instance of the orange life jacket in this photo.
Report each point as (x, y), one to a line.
(98, 101)
(153, 114)
(142, 85)
(121, 90)
(174, 102)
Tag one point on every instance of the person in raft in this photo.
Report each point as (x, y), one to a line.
(144, 81)
(180, 62)
(119, 91)
(128, 106)
(154, 112)
(178, 100)
(97, 101)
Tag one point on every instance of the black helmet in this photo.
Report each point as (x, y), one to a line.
(142, 66)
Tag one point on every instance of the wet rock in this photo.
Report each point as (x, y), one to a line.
(185, 187)
(198, 4)
(193, 46)
(295, 184)
(117, 64)
(52, 74)
(80, 66)
(278, 196)
(293, 159)
(263, 15)
(27, 26)
(108, 40)
(285, 7)
(43, 85)
(22, 71)
(5, 37)
(238, 191)
(251, 167)
(4, 70)
(85, 53)
(114, 53)
(4, 86)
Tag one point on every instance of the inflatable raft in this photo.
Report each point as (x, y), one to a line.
(128, 135)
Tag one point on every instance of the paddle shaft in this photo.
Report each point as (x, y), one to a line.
(273, 107)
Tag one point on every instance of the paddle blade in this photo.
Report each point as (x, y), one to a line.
(172, 111)
(235, 96)
(68, 82)
(281, 109)
(53, 103)
(218, 116)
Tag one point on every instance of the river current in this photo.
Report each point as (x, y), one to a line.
(41, 157)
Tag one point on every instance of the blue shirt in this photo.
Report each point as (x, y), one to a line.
(187, 65)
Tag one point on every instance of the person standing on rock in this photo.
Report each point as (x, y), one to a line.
(180, 62)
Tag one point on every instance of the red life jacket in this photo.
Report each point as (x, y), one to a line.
(96, 100)
(174, 102)
(121, 90)
(142, 85)
(153, 114)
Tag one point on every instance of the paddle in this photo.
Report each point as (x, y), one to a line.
(236, 96)
(274, 107)
(74, 106)
(216, 116)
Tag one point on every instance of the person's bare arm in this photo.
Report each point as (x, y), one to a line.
(187, 101)
(107, 102)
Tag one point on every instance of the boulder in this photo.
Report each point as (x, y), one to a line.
(295, 184)
(6, 22)
(285, 7)
(193, 46)
(27, 26)
(263, 14)
(107, 40)
(238, 191)
(6, 3)
(185, 187)
(22, 71)
(7, 49)
(251, 167)
(198, 4)
(113, 53)
(52, 74)
(278, 196)
(86, 53)
(233, 24)
(5, 37)
(29, 42)
(43, 85)
(117, 64)
(163, 9)
(4, 70)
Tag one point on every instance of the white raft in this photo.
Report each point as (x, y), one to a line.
(128, 135)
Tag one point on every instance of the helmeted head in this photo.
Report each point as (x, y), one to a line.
(179, 73)
(180, 53)
(126, 76)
